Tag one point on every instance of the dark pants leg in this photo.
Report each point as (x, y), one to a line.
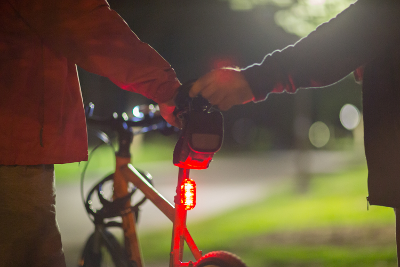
(29, 234)
(397, 234)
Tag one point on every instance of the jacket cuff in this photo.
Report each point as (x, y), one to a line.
(255, 76)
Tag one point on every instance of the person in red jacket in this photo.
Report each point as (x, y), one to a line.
(42, 120)
(364, 39)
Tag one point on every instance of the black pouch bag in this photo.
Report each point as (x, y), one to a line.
(200, 139)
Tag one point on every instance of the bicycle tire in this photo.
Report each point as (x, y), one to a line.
(220, 259)
(110, 253)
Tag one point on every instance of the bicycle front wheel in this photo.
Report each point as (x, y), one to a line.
(220, 259)
(103, 252)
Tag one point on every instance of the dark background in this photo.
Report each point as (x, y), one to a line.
(197, 36)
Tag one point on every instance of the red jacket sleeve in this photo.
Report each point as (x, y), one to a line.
(97, 39)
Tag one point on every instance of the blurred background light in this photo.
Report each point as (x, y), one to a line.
(350, 116)
(319, 134)
(136, 112)
(125, 116)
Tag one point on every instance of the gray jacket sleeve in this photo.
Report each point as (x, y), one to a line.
(356, 36)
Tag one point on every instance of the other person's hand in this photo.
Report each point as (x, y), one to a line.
(224, 88)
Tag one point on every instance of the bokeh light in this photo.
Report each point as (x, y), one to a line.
(137, 113)
(350, 117)
(125, 116)
(319, 134)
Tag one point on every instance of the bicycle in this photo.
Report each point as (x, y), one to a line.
(200, 138)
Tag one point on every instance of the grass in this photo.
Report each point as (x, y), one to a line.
(102, 161)
(329, 226)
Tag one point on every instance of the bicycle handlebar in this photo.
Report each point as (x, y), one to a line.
(114, 121)
(148, 119)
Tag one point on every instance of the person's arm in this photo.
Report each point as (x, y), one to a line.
(336, 48)
(90, 34)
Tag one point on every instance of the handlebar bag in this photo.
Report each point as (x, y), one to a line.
(200, 139)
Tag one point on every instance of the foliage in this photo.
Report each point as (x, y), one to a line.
(298, 16)
(304, 16)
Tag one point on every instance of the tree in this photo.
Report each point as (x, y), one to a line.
(299, 17)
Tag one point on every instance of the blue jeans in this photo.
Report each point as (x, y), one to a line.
(29, 234)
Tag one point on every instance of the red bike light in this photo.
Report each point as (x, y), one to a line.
(188, 194)
(199, 162)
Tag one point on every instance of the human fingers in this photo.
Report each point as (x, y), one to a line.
(216, 98)
(215, 85)
(210, 82)
(223, 83)
(241, 95)
(199, 85)
(174, 121)
(167, 112)
(228, 102)
(225, 105)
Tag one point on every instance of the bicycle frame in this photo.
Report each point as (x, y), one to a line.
(125, 173)
(177, 213)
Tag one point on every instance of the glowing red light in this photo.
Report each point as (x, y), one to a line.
(196, 163)
(188, 194)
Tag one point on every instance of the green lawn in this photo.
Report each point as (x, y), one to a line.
(329, 226)
(102, 161)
